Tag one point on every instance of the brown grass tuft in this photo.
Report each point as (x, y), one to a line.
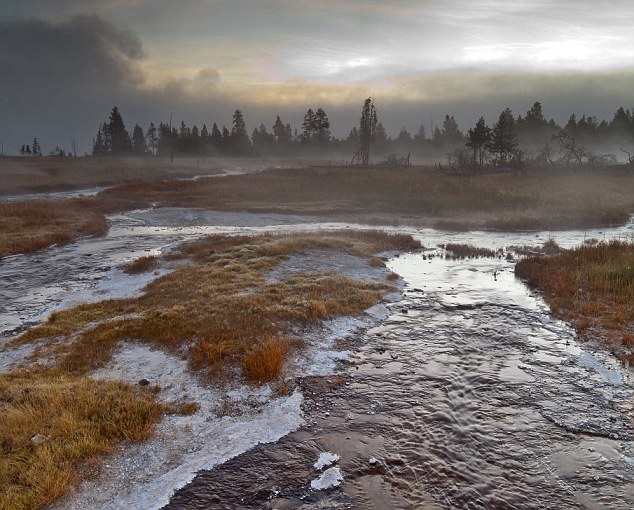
(264, 363)
(141, 265)
(461, 251)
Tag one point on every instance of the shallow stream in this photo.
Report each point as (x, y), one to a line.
(469, 395)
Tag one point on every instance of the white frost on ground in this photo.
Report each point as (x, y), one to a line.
(330, 478)
(116, 285)
(230, 421)
(326, 459)
(591, 362)
(13, 356)
(144, 476)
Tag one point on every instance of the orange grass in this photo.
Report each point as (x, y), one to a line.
(220, 311)
(220, 307)
(265, 362)
(37, 224)
(592, 286)
(53, 426)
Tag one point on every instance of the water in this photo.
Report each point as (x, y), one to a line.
(470, 395)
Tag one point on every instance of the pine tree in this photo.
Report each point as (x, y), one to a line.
(280, 134)
(239, 137)
(322, 126)
(480, 139)
(120, 143)
(367, 132)
(309, 126)
(138, 141)
(504, 138)
(151, 138)
(216, 136)
(35, 148)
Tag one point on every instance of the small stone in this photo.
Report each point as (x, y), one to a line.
(372, 461)
(39, 439)
(144, 382)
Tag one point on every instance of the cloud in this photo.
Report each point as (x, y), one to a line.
(61, 78)
(60, 72)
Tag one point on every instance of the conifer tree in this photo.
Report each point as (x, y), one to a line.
(367, 132)
(120, 143)
(151, 137)
(480, 139)
(138, 141)
(504, 138)
(35, 148)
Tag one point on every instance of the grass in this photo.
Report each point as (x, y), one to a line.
(592, 286)
(37, 224)
(32, 175)
(220, 311)
(220, 308)
(143, 264)
(541, 200)
(463, 251)
(53, 426)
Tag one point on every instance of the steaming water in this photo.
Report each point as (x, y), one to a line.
(468, 396)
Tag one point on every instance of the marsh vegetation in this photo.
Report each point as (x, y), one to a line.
(591, 286)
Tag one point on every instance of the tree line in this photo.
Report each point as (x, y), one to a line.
(509, 141)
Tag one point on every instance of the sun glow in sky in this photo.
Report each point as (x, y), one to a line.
(212, 55)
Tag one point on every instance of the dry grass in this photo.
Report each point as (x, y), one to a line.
(33, 225)
(141, 265)
(542, 200)
(463, 251)
(220, 308)
(52, 426)
(593, 287)
(265, 362)
(220, 311)
(548, 200)
(28, 175)
(37, 224)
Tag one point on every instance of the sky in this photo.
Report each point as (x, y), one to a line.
(65, 63)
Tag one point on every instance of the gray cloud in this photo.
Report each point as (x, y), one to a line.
(60, 79)
(55, 74)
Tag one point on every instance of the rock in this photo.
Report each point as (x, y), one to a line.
(39, 439)
(144, 382)
(372, 461)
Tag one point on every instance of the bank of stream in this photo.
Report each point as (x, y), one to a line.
(468, 394)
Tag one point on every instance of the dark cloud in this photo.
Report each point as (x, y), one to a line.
(55, 74)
